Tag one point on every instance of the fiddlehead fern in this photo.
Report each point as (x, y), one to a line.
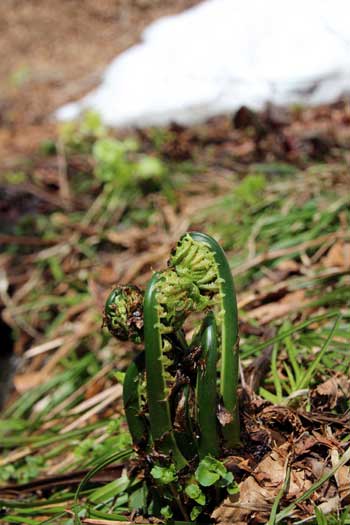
(227, 322)
(198, 279)
(123, 314)
(200, 260)
(157, 361)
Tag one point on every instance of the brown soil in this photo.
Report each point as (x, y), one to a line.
(54, 51)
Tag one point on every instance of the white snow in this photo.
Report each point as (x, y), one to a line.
(222, 54)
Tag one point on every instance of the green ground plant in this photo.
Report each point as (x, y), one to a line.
(175, 390)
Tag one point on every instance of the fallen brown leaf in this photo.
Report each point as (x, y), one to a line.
(224, 416)
(326, 396)
(342, 478)
(258, 491)
(271, 311)
(338, 255)
(281, 417)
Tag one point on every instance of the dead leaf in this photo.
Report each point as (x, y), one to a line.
(27, 381)
(236, 462)
(223, 415)
(342, 478)
(271, 311)
(315, 466)
(343, 482)
(327, 395)
(324, 396)
(258, 491)
(237, 509)
(288, 265)
(304, 444)
(281, 417)
(338, 255)
(330, 505)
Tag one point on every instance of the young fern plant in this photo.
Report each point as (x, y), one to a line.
(197, 281)
(209, 443)
(201, 258)
(159, 379)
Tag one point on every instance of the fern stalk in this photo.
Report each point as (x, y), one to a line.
(206, 390)
(158, 404)
(227, 321)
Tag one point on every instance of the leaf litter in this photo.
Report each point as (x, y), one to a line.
(278, 202)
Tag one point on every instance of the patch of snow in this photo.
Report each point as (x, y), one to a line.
(222, 54)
